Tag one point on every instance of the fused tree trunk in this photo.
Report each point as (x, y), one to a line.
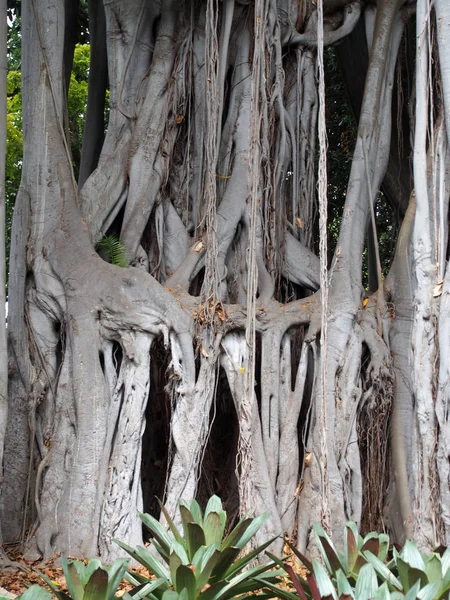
(207, 174)
(3, 342)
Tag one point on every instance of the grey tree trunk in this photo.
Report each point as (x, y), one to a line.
(124, 380)
(3, 341)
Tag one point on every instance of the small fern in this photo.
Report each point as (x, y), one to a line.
(113, 251)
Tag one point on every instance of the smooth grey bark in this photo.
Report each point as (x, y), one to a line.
(3, 343)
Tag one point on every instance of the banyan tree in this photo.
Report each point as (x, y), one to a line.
(181, 321)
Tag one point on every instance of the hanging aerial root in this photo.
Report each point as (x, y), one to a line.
(373, 428)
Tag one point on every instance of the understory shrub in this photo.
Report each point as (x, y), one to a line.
(203, 562)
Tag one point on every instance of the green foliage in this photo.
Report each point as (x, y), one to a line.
(202, 562)
(113, 251)
(362, 570)
(35, 592)
(89, 582)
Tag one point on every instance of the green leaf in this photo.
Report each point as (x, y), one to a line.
(224, 562)
(197, 559)
(433, 567)
(327, 550)
(445, 560)
(367, 583)
(383, 571)
(242, 562)
(412, 556)
(145, 590)
(174, 563)
(185, 579)
(409, 575)
(186, 517)
(209, 552)
(173, 528)
(157, 531)
(195, 539)
(279, 591)
(382, 593)
(181, 551)
(170, 595)
(143, 556)
(238, 584)
(326, 588)
(116, 573)
(252, 529)
(114, 250)
(383, 539)
(351, 544)
(35, 592)
(91, 567)
(75, 578)
(214, 505)
(235, 535)
(213, 528)
(300, 556)
(411, 595)
(52, 586)
(343, 585)
(97, 586)
(429, 591)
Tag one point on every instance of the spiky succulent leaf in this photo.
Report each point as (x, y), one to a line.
(185, 579)
(35, 593)
(429, 592)
(343, 585)
(324, 584)
(242, 562)
(223, 563)
(157, 531)
(382, 593)
(75, 574)
(214, 505)
(97, 586)
(181, 551)
(411, 555)
(351, 544)
(409, 576)
(433, 567)
(327, 550)
(116, 573)
(236, 534)
(195, 510)
(170, 595)
(278, 591)
(367, 583)
(251, 530)
(445, 560)
(383, 550)
(173, 528)
(213, 528)
(174, 563)
(194, 539)
(382, 570)
(53, 587)
(302, 558)
(143, 556)
(145, 590)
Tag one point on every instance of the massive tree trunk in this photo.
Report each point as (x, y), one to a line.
(207, 173)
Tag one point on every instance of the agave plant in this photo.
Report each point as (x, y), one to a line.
(361, 570)
(201, 562)
(87, 582)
